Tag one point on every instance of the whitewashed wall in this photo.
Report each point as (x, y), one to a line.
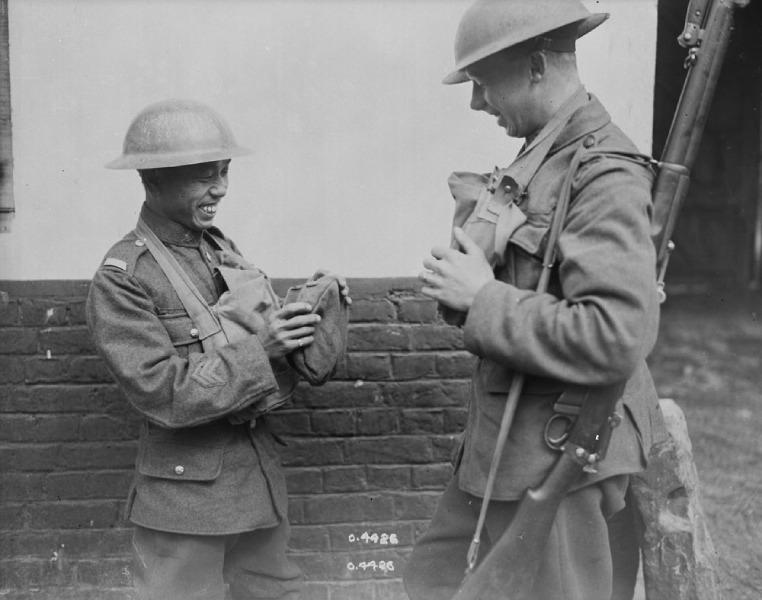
(355, 135)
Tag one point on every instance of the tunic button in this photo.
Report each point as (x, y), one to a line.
(589, 141)
(179, 469)
(140, 243)
(194, 332)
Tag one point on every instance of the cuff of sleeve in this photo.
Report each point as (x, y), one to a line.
(494, 297)
(257, 361)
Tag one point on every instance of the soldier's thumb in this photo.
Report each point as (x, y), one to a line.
(467, 245)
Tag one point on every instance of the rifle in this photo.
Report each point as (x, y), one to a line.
(509, 569)
(706, 52)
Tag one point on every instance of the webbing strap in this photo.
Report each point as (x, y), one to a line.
(198, 310)
(530, 158)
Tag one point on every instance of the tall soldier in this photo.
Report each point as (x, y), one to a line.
(593, 326)
(198, 343)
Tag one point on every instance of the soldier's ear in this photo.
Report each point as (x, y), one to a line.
(150, 178)
(538, 64)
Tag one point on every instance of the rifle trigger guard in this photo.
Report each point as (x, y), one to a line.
(553, 440)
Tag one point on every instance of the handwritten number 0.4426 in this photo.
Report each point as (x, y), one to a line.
(384, 566)
(373, 538)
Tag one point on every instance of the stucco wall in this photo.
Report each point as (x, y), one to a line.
(342, 100)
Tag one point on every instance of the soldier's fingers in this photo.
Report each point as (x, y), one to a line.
(298, 321)
(432, 264)
(466, 243)
(302, 342)
(429, 279)
(301, 332)
(431, 292)
(441, 252)
(292, 309)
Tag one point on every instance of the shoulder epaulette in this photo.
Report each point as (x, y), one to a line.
(124, 254)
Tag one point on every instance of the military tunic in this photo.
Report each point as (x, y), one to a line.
(594, 326)
(196, 472)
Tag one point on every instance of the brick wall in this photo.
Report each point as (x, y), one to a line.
(368, 453)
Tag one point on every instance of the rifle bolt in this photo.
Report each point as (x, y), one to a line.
(580, 452)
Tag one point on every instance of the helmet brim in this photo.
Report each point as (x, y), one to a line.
(585, 26)
(179, 159)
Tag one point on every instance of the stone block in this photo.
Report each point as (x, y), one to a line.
(679, 560)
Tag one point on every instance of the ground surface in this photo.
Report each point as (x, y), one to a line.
(709, 359)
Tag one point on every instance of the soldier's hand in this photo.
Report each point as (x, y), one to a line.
(453, 277)
(289, 328)
(343, 287)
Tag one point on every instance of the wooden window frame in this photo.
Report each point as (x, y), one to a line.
(7, 206)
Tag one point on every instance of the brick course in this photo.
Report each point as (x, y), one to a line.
(367, 457)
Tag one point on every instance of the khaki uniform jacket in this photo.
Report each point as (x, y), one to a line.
(595, 325)
(195, 471)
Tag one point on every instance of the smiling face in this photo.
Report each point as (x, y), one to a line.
(503, 88)
(188, 195)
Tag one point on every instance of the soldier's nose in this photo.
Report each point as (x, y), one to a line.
(477, 97)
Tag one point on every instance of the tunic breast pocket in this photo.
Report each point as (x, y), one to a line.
(530, 236)
(182, 331)
(525, 256)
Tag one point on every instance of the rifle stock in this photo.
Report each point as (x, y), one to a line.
(509, 569)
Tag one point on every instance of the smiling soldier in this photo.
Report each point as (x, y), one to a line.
(200, 346)
(584, 320)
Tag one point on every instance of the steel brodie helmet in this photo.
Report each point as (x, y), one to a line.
(171, 133)
(490, 26)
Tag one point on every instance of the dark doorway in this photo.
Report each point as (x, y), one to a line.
(719, 232)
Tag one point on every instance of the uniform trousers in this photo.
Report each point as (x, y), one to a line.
(576, 564)
(176, 566)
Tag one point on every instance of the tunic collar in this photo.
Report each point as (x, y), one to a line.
(589, 117)
(576, 101)
(168, 231)
(544, 141)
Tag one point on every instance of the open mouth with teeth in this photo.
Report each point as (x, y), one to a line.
(209, 209)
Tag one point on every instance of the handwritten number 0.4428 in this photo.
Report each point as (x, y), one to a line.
(373, 538)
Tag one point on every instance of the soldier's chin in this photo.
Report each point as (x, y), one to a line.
(203, 220)
(502, 123)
